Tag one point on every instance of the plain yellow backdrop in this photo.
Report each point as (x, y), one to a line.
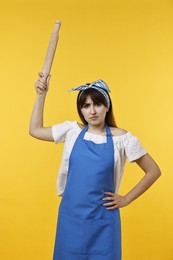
(127, 43)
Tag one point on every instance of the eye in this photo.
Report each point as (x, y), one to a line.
(98, 104)
(85, 106)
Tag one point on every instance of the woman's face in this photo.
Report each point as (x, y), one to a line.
(93, 113)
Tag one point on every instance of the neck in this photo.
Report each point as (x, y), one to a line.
(97, 129)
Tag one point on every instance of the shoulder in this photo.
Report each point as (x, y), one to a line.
(61, 130)
(118, 131)
(80, 125)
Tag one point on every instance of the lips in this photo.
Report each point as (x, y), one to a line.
(94, 117)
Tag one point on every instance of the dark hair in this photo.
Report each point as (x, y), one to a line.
(98, 98)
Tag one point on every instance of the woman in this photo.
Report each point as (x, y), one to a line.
(90, 174)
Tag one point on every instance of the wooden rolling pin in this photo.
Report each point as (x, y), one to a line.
(51, 50)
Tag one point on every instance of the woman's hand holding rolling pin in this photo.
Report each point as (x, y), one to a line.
(42, 84)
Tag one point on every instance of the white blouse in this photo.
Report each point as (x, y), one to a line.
(125, 146)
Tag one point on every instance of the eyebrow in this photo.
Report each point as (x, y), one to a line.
(86, 104)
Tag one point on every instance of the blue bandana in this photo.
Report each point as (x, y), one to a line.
(99, 85)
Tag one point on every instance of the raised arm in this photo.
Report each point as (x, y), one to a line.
(36, 128)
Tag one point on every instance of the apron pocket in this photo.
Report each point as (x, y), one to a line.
(71, 231)
(98, 238)
(85, 236)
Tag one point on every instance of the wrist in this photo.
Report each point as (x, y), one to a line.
(127, 199)
(41, 95)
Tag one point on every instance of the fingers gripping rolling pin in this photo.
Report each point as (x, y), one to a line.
(51, 50)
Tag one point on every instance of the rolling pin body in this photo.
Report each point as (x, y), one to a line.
(51, 50)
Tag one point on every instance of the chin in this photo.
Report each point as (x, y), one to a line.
(96, 123)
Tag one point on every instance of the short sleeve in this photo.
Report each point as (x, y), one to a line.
(133, 149)
(60, 131)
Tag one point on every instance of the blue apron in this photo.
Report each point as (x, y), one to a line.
(86, 230)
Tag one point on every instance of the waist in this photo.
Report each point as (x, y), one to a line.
(85, 205)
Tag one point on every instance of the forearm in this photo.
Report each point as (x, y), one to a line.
(142, 186)
(36, 128)
(36, 121)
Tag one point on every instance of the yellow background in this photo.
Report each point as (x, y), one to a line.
(127, 43)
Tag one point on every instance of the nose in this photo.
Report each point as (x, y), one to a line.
(93, 110)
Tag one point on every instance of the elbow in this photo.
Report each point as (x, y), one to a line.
(31, 130)
(34, 130)
(32, 133)
(156, 173)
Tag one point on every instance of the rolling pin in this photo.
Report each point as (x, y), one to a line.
(51, 50)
